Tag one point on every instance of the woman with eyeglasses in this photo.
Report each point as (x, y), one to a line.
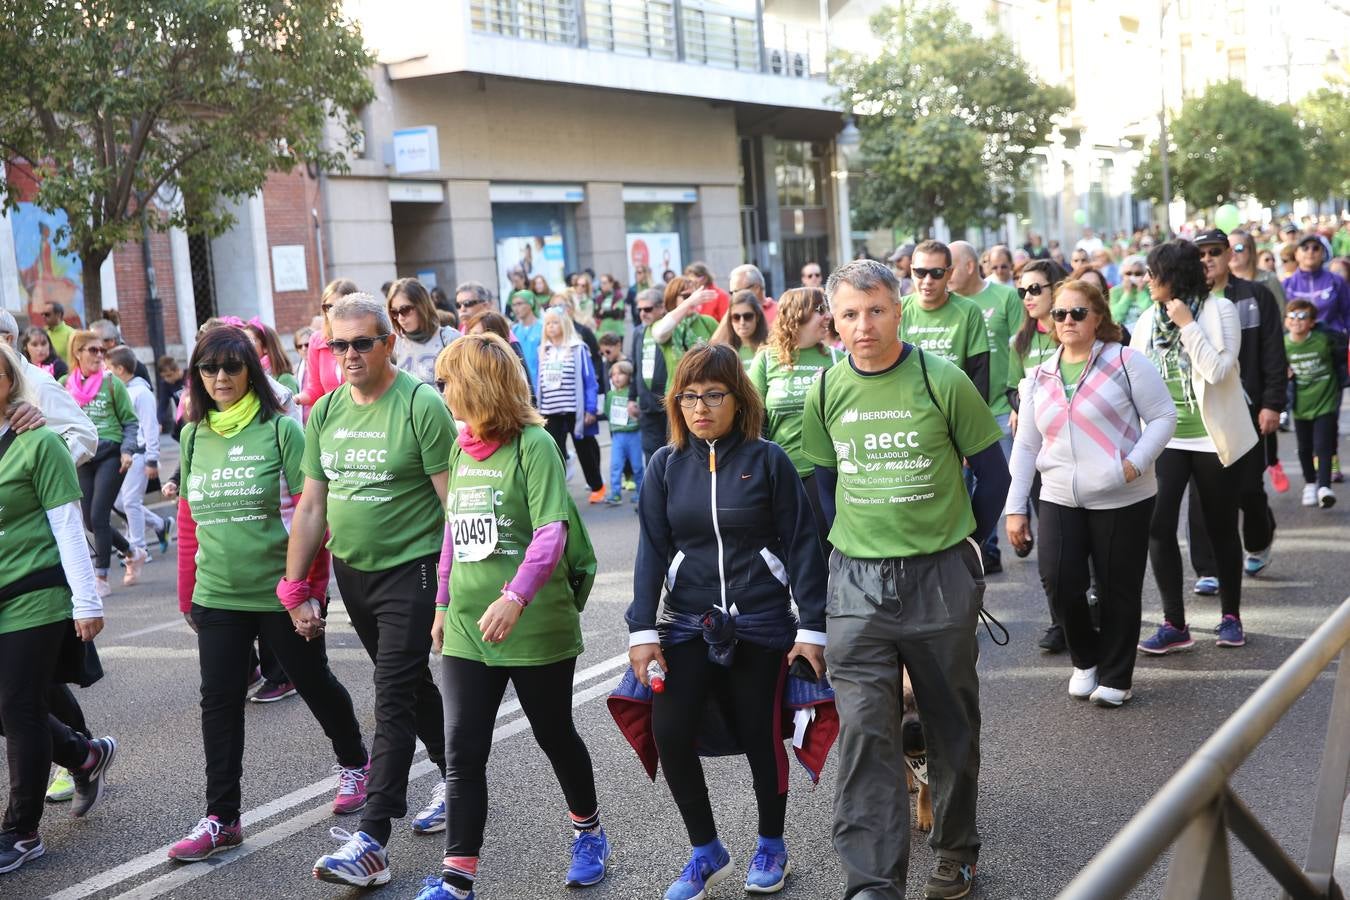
(322, 372)
(567, 388)
(420, 336)
(528, 331)
(1242, 263)
(784, 370)
(241, 467)
(1193, 338)
(1131, 296)
(727, 533)
(744, 328)
(106, 402)
(1095, 416)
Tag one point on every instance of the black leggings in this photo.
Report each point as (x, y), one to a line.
(1247, 476)
(224, 645)
(749, 690)
(100, 481)
(62, 704)
(560, 425)
(1115, 541)
(1316, 438)
(473, 692)
(1219, 498)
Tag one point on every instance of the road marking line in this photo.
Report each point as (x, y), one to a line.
(154, 858)
(141, 632)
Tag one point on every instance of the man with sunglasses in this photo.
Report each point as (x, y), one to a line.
(1000, 268)
(1263, 369)
(647, 388)
(941, 322)
(377, 451)
(58, 332)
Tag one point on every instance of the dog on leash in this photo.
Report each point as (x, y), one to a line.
(916, 757)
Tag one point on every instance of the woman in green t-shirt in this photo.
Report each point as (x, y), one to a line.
(611, 306)
(106, 402)
(241, 477)
(505, 611)
(744, 328)
(45, 578)
(1130, 297)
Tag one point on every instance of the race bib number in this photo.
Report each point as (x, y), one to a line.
(552, 374)
(919, 766)
(474, 524)
(618, 413)
(648, 365)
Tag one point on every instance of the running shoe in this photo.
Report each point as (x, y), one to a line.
(1053, 640)
(590, 858)
(17, 849)
(700, 875)
(1326, 498)
(1206, 586)
(1082, 683)
(1278, 480)
(62, 787)
(950, 879)
(271, 692)
(769, 868)
(255, 679)
(629, 484)
(1110, 697)
(1230, 632)
(135, 564)
(163, 532)
(1259, 561)
(360, 861)
(1310, 495)
(91, 784)
(435, 888)
(1167, 640)
(598, 495)
(614, 500)
(101, 587)
(432, 817)
(207, 838)
(351, 791)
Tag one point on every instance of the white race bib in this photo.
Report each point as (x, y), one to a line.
(474, 524)
(552, 374)
(648, 364)
(618, 413)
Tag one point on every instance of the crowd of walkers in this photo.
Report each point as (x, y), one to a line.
(879, 424)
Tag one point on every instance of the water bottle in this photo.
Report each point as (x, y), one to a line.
(656, 677)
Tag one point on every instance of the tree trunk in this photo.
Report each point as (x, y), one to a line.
(91, 262)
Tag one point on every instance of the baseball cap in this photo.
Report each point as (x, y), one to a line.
(1289, 228)
(1319, 241)
(1211, 236)
(901, 252)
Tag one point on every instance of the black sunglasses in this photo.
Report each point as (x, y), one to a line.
(1034, 290)
(937, 273)
(362, 345)
(646, 309)
(1078, 313)
(401, 311)
(1213, 252)
(743, 317)
(212, 369)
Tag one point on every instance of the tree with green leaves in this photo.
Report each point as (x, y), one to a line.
(112, 102)
(949, 120)
(1324, 122)
(1226, 145)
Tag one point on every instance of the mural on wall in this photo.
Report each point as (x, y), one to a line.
(49, 270)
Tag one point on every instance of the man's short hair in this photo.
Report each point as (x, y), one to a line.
(360, 305)
(657, 296)
(476, 288)
(752, 275)
(57, 308)
(105, 330)
(122, 357)
(866, 275)
(935, 247)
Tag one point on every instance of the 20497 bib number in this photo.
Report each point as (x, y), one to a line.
(473, 526)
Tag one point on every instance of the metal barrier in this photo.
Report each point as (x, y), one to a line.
(1197, 808)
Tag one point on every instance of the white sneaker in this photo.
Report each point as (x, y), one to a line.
(1083, 683)
(1310, 495)
(101, 587)
(1326, 498)
(1109, 696)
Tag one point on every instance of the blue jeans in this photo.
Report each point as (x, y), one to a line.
(624, 446)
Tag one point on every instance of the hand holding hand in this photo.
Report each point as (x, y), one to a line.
(308, 624)
(169, 490)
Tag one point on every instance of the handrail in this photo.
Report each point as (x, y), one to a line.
(1196, 801)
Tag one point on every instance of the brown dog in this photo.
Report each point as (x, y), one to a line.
(916, 757)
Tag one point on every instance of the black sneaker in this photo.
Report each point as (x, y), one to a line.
(950, 879)
(1053, 640)
(91, 783)
(993, 565)
(17, 849)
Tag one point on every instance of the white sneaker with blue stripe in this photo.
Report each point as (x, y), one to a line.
(360, 861)
(432, 817)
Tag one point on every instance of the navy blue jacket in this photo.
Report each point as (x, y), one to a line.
(742, 538)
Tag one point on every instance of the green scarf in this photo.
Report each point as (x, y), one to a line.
(232, 421)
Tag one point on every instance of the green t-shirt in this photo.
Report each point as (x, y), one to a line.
(37, 475)
(1021, 365)
(1126, 305)
(954, 331)
(616, 410)
(688, 332)
(494, 507)
(60, 335)
(747, 355)
(1003, 315)
(1316, 392)
(287, 380)
(383, 510)
(900, 490)
(110, 408)
(646, 366)
(783, 390)
(1179, 386)
(1069, 373)
(234, 487)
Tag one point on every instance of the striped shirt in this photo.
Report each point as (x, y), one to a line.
(557, 380)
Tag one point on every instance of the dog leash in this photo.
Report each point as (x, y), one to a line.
(989, 620)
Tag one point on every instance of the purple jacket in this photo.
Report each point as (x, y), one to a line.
(1327, 291)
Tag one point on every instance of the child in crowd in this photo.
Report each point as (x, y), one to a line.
(625, 447)
(144, 466)
(611, 352)
(1317, 397)
(166, 408)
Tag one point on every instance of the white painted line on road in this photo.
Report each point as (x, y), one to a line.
(147, 861)
(141, 632)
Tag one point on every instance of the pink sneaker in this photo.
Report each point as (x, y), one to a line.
(1278, 480)
(207, 838)
(135, 563)
(351, 792)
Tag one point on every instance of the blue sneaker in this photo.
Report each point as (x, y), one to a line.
(590, 859)
(360, 861)
(432, 817)
(700, 874)
(1230, 632)
(435, 888)
(1206, 586)
(769, 868)
(1167, 640)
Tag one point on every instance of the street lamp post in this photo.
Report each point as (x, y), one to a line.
(846, 144)
(1162, 122)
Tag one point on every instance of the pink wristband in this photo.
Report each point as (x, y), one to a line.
(514, 597)
(292, 593)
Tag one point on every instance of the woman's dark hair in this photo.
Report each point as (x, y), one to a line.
(224, 344)
(719, 363)
(1177, 264)
(492, 322)
(725, 334)
(1053, 273)
(1091, 273)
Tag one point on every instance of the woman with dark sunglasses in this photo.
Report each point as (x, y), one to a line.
(744, 328)
(420, 335)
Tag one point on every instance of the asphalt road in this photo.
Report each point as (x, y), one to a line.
(1059, 777)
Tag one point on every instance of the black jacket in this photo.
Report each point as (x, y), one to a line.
(1261, 358)
(742, 537)
(650, 401)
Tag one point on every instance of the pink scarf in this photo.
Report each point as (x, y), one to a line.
(475, 446)
(82, 388)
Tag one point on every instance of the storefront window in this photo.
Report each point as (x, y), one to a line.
(799, 170)
(656, 235)
(537, 237)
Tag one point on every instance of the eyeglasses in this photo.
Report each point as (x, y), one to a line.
(97, 351)
(1078, 313)
(1032, 289)
(1213, 252)
(1299, 316)
(470, 304)
(1139, 274)
(711, 399)
(361, 345)
(401, 311)
(822, 310)
(743, 317)
(936, 272)
(302, 348)
(212, 369)
(1239, 247)
(646, 309)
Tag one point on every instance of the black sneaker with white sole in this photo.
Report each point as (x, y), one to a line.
(17, 849)
(91, 783)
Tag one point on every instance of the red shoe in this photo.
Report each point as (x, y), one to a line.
(1278, 479)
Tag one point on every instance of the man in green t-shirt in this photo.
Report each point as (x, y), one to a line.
(377, 454)
(887, 431)
(942, 323)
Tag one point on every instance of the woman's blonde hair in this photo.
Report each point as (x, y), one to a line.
(78, 340)
(569, 333)
(9, 357)
(332, 292)
(795, 308)
(485, 387)
(1107, 330)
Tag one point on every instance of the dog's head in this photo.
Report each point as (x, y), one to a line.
(911, 727)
